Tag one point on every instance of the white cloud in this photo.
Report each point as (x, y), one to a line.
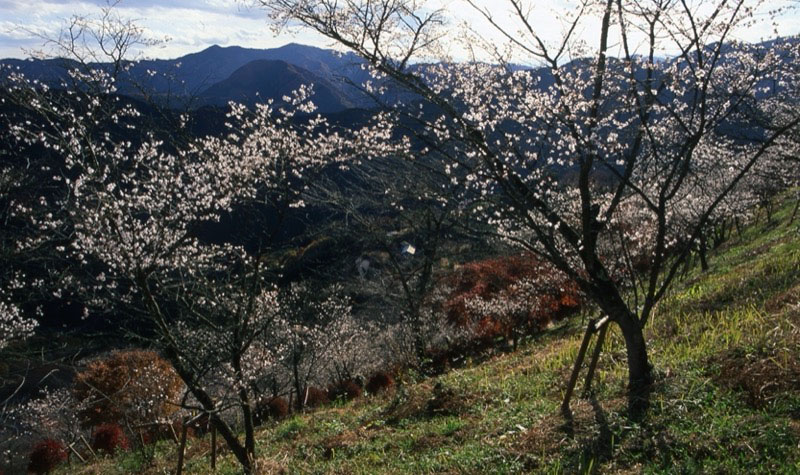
(190, 25)
(195, 24)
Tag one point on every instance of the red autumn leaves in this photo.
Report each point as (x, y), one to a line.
(509, 295)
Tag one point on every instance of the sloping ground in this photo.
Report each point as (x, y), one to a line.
(726, 347)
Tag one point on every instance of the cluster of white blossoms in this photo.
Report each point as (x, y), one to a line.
(52, 415)
(13, 325)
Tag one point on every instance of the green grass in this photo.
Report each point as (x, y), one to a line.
(726, 350)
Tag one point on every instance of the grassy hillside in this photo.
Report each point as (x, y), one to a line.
(725, 345)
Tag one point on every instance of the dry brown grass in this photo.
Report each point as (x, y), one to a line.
(760, 376)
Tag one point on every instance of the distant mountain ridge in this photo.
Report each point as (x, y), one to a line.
(199, 71)
(218, 74)
(206, 74)
(263, 79)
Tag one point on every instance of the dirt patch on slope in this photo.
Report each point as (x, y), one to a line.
(761, 375)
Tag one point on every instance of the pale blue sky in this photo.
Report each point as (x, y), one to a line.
(192, 25)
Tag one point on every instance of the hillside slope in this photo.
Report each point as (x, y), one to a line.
(726, 346)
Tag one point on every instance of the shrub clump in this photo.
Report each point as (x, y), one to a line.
(109, 438)
(276, 408)
(315, 397)
(347, 390)
(509, 296)
(46, 455)
(137, 386)
(380, 381)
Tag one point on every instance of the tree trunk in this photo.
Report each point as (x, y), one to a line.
(640, 376)
(794, 211)
(249, 429)
(247, 413)
(720, 234)
(768, 210)
(298, 386)
(687, 265)
(606, 294)
(239, 451)
(639, 369)
(702, 251)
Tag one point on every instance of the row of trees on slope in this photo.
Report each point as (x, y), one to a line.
(611, 169)
(618, 154)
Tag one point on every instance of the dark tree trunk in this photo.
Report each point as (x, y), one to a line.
(640, 377)
(639, 369)
(239, 451)
(602, 289)
(794, 211)
(702, 251)
(687, 265)
(720, 234)
(299, 388)
(247, 414)
(249, 429)
(768, 211)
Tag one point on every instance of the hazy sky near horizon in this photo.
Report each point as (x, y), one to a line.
(192, 25)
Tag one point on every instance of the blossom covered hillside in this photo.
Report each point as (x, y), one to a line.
(173, 269)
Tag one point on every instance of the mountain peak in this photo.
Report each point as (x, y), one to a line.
(261, 79)
(211, 49)
(294, 45)
(197, 72)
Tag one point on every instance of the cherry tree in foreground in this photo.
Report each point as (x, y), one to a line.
(600, 150)
(140, 216)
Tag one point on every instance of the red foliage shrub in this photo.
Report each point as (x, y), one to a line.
(347, 390)
(316, 397)
(522, 294)
(380, 381)
(46, 455)
(276, 408)
(109, 438)
(199, 427)
(135, 385)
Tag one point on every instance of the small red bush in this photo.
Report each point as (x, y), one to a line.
(543, 292)
(200, 427)
(379, 381)
(275, 409)
(347, 390)
(316, 397)
(278, 407)
(108, 438)
(46, 455)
